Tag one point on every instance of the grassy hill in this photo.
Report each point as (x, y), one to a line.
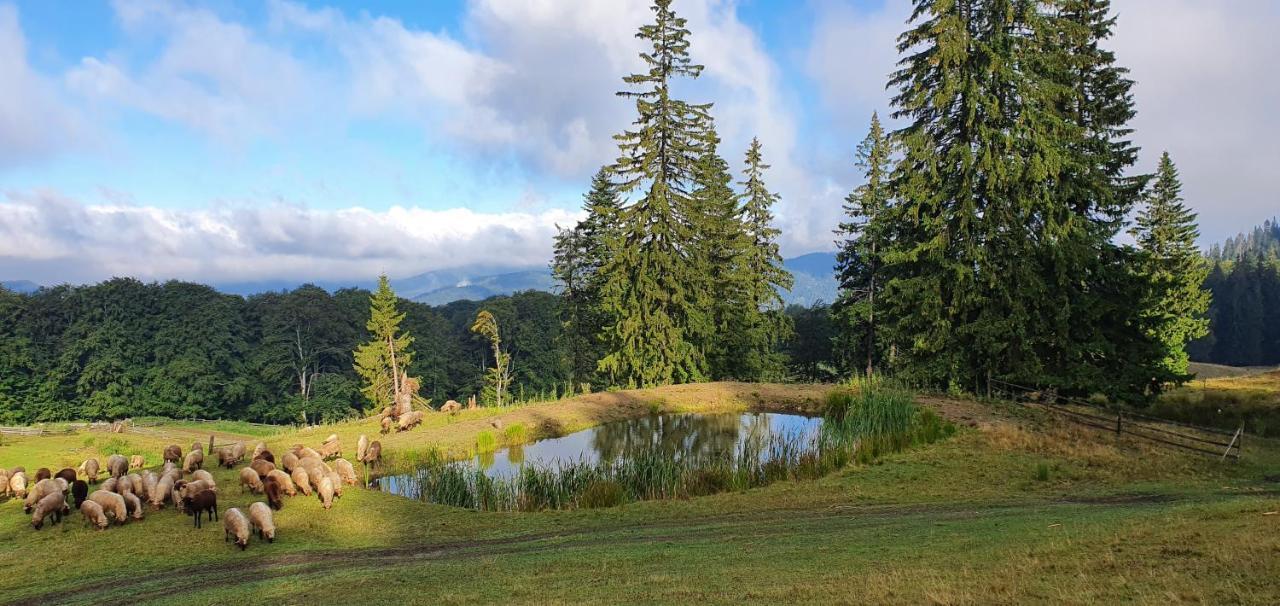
(1015, 508)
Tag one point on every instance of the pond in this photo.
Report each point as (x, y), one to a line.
(687, 439)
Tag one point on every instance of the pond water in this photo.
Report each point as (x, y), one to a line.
(674, 435)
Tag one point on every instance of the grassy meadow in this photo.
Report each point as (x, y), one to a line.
(1015, 507)
(1251, 397)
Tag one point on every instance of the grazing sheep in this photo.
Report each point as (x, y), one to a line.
(235, 524)
(203, 502)
(201, 474)
(91, 470)
(149, 481)
(329, 450)
(53, 504)
(196, 447)
(228, 456)
(451, 406)
(374, 454)
(336, 480)
(111, 503)
(411, 420)
(257, 450)
(186, 488)
(67, 474)
(135, 483)
(43, 474)
(39, 491)
(304, 452)
(273, 489)
(18, 485)
(324, 490)
(333, 437)
(168, 467)
(92, 513)
(267, 456)
(262, 467)
(362, 446)
(345, 471)
(237, 449)
(301, 481)
(173, 474)
(162, 492)
(386, 425)
(137, 462)
(289, 461)
(263, 521)
(109, 484)
(251, 480)
(117, 465)
(62, 484)
(4, 482)
(193, 461)
(79, 491)
(172, 454)
(132, 505)
(286, 483)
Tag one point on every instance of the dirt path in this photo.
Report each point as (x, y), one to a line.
(177, 581)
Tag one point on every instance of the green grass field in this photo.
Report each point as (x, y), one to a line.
(1016, 508)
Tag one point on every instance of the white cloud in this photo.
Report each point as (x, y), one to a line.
(34, 120)
(67, 240)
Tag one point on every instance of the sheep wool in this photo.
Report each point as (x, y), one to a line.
(18, 485)
(91, 470)
(324, 491)
(263, 521)
(250, 479)
(93, 514)
(301, 481)
(236, 526)
(51, 505)
(285, 482)
(362, 446)
(111, 503)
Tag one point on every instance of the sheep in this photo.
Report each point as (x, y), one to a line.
(411, 420)
(324, 490)
(267, 456)
(19, 469)
(257, 450)
(172, 454)
(273, 489)
(362, 446)
(237, 450)
(345, 471)
(451, 406)
(117, 465)
(135, 483)
(228, 456)
(67, 474)
(235, 524)
(37, 492)
(251, 480)
(374, 454)
(18, 485)
(336, 480)
(289, 461)
(53, 504)
(263, 521)
(43, 474)
(173, 474)
(201, 474)
(303, 452)
(261, 467)
(205, 501)
(196, 447)
(286, 483)
(149, 481)
(386, 425)
(185, 488)
(168, 467)
(193, 461)
(4, 482)
(111, 503)
(79, 491)
(92, 513)
(301, 481)
(162, 491)
(133, 505)
(331, 448)
(137, 462)
(62, 484)
(109, 484)
(333, 437)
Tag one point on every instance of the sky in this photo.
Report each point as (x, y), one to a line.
(228, 141)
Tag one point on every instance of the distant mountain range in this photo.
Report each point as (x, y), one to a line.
(814, 281)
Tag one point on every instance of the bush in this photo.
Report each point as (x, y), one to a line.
(485, 442)
(515, 434)
(1042, 472)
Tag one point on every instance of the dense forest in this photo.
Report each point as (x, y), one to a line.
(1244, 317)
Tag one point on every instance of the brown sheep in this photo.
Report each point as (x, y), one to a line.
(345, 471)
(193, 461)
(196, 447)
(117, 465)
(273, 489)
(324, 491)
(304, 452)
(289, 461)
(79, 491)
(43, 474)
(91, 470)
(137, 462)
(451, 406)
(267, 456)
(67, 474)
(286, 483)
(251, 480)
(329, 450)
(262, 467)
(229, 456)
(263, 521)
(18, 485)
(41, 489)
(374, 454)
(386, 425)
(201, 503)
(53, 504)
(257, 450)
(92, 513)
(410, 420)
(133, 505)
(111, 503)
(173, 454)
(362, 446)
(301, 481)
(201, 474)
(235, 524)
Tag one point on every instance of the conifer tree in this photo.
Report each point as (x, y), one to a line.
(649, 281)
(382, 362)
(718, 256)
(579, 253)
(862, 242)
(1166, 233)
(763, 324)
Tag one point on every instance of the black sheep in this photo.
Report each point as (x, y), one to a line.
(67, 474)
(204, 501)
(79, 491)
(43, 474)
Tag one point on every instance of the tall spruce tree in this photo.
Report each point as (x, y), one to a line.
(580, 252)
(650, 280)
(382, 362)
(719, 257)
(1166, 233)
(862, 240)
(763, 325)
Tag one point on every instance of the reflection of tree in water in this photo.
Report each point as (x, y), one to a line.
(673, 435)
(515, 454)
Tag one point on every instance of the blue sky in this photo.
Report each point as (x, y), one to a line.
(236, 141)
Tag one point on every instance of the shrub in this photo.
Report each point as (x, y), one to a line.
(515, 434)
(1042, 472)
(485, 442)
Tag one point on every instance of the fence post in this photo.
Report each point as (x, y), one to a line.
(1119, 416)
